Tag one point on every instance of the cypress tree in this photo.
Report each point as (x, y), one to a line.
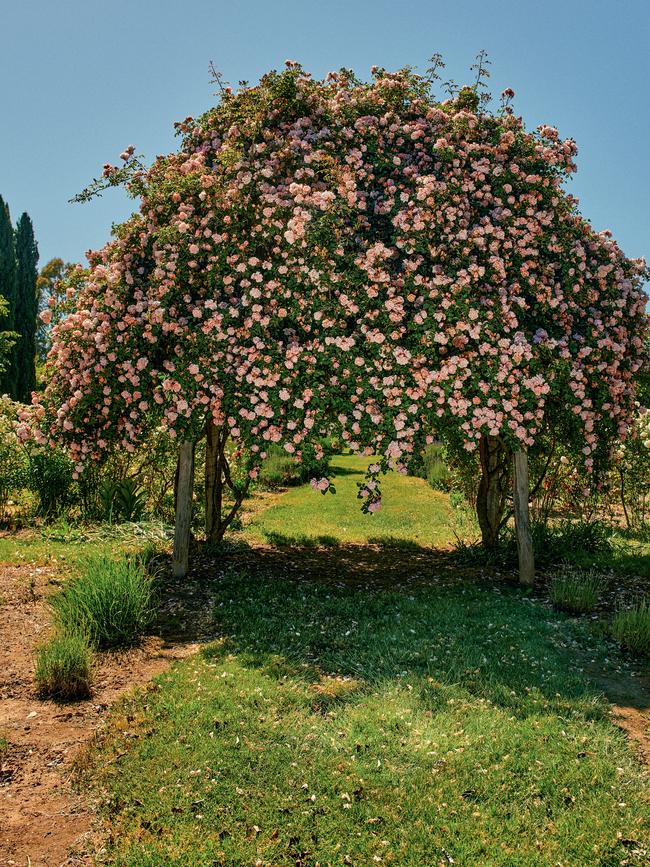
(26, 309)
(8, 288)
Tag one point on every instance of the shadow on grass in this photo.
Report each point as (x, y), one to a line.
(627, 556)
(385, 613)
(337, 470)
(492, 645)
(302, 541)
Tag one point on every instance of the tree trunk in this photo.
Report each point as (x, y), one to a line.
(492, 494)
(217, 479)
(213, 479)
(522, 524)
(184, 486)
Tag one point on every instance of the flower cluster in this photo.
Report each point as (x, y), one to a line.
(355, 258)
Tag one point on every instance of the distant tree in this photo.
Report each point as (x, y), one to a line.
(26, 309)
(51, 295)
(8, 286)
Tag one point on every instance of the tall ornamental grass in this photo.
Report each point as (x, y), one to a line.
(631, 628)
(111, 603)
(64, 667)
(576, 591)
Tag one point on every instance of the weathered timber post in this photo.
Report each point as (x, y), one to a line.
(522, 522)
(184, 487)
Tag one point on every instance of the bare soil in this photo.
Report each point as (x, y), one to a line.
(43, 822)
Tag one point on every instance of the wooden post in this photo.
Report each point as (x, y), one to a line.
(522, 523)
(185, 484)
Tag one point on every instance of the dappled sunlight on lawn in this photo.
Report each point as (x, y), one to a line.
(412, 513)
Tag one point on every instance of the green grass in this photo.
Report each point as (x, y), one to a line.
(333, 726)
(628, 555)
(576, 591)
(411, 512)
(111, 602)
(34, 547)
(64, 667)
(66, 547)
(631, 628)
(593, 546)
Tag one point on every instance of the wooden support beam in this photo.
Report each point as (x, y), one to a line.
(184, 488)
(522, 522)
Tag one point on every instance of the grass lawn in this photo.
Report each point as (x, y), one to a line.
(330, 724)
(64, 546)
(411, 512)
(336, 726)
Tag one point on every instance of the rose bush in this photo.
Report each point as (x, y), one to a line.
(357, 259)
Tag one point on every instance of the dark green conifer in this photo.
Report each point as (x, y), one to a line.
(8, 290)
(26, 311)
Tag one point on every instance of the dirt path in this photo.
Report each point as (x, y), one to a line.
(630, 700)
(41, 819)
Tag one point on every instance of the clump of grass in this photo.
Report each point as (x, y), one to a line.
(576, 591)
(631, 628)
(111, 603)
(64, 667)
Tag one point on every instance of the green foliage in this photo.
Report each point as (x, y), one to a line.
(632, 473)
(129, 485)
(8, 289)
(592, 545)
(52, 296)
(464, 470)
(111, 602)
(14, 468)
(631, 628)
(26, 309)
(7, 338)
(311, 466)
(333, 446)
(434, 468)
(279, 469)
(122, 500)
(282, 470)
(576, 591)
(64, 667)
(329, 720)
(50, 478)
(567, 541)
(561, 540)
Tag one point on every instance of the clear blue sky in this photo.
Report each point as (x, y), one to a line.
(81, 79)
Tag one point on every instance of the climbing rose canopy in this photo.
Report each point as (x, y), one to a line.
(352, 257)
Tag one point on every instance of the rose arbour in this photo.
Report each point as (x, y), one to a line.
(357, 258)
